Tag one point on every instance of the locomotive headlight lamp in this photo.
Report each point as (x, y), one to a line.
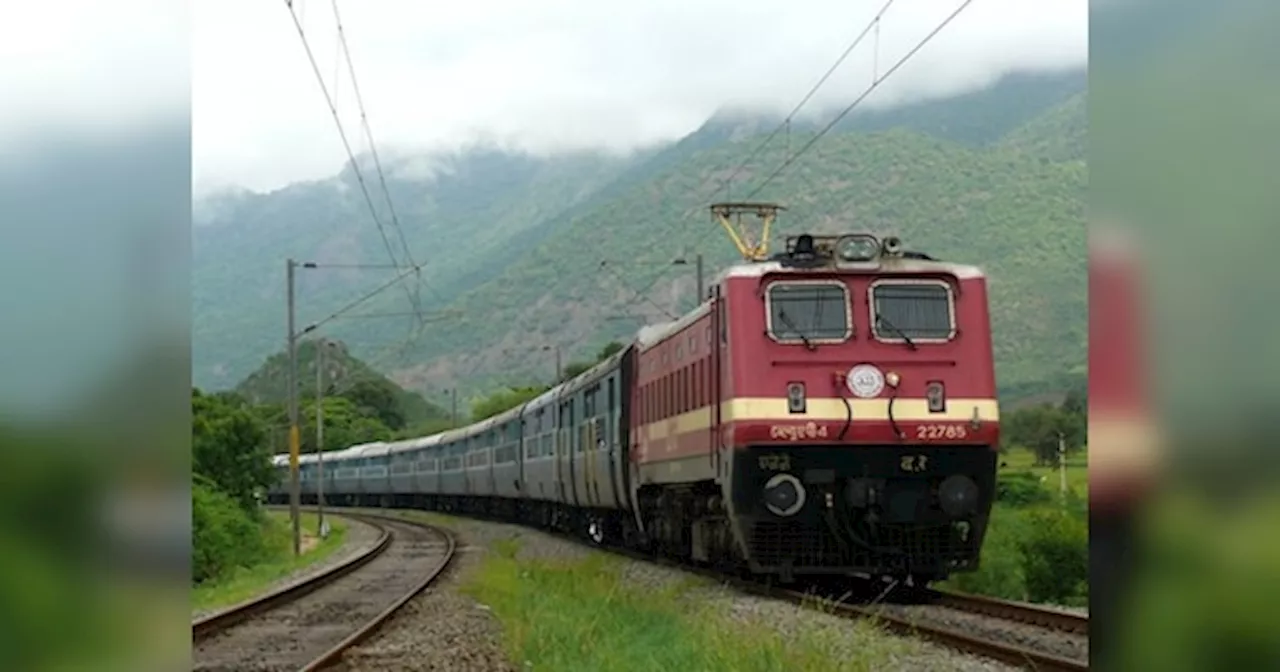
(859, 247)
(795, 398)
(936, 394)
(892, 379)
(784, 495)
(958, 495)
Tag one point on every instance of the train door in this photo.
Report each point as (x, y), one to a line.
(562, 452)
(575, 449)
(611, 423)
(586, 448)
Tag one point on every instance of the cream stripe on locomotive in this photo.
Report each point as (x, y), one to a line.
(746, 409)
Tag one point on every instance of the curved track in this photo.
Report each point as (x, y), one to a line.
(1020, 634)
(308, 625)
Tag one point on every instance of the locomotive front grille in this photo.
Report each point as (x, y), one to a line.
(905, 548)
(866, 508)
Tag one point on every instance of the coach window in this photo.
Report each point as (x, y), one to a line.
(912, 310)
(613, 410)
(814, 310)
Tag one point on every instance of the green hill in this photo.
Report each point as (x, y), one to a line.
(1021, 218)
(517, 243)
(346, 375)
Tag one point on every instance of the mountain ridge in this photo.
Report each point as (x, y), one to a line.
(529, 236)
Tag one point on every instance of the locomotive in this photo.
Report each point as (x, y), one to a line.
(827, 410)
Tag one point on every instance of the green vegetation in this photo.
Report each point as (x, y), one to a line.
(508, 398)
(993, 177)
(235, 547)
(583, 615)
(272, 558)
(1037, 545)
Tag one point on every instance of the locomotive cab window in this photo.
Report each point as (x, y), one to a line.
(918, 311)
(816, 311)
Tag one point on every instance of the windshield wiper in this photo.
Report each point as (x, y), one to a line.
(910, 343)
(782, 315)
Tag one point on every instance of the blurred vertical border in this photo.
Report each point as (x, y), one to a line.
(95, 209)
(1184, 344)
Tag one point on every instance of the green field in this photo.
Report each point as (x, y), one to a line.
(1020, 459)
(1037, 544)
(247, 582)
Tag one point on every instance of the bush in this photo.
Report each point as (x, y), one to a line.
(1021, 488)
(999, 572)
(223, 535)
(1055, 557)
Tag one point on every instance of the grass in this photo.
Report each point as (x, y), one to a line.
(584, 615)
(247, 582)
(1021, 459)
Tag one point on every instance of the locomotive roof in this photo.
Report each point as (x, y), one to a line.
(890, 266)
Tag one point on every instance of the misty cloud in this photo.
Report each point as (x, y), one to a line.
(572, 74)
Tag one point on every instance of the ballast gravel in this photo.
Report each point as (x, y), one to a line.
(440, 629)
(443, 629)
(1033, 637)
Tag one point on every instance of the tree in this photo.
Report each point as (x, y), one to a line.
(229, 448)
(503, 400)
(573, 369)
(378, 398)
(1040, 428)
(1077, 402)
(345, 425)
(610, 349)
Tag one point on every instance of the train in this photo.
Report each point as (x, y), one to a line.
(827, 410)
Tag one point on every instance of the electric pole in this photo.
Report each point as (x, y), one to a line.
(321, 346)
(1062, 465)
(453, 409)
(290, 266)
(701, 290)
(697, 265)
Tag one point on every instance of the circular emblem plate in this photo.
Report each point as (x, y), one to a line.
(865, 381)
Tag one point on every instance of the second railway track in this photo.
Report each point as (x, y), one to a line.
(308, 625)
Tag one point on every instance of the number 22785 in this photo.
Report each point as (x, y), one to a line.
(935, 432)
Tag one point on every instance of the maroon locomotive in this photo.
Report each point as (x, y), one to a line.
(829, 410)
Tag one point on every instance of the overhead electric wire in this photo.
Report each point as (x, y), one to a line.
(354, 266)
(786, 122)
(338, 313)
(728, 182)
(346, 144)
(642, 295)
(863, 96)
(373, 146)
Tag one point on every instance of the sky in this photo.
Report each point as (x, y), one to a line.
(568, 74)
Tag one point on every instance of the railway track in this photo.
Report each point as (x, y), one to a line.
(1045, 617)
(1019, 634)
(308, 625)
(1024, 635)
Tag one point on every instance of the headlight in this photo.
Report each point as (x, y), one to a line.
(784, 495)
(860, 247)
(958, 495)
(795, 398)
